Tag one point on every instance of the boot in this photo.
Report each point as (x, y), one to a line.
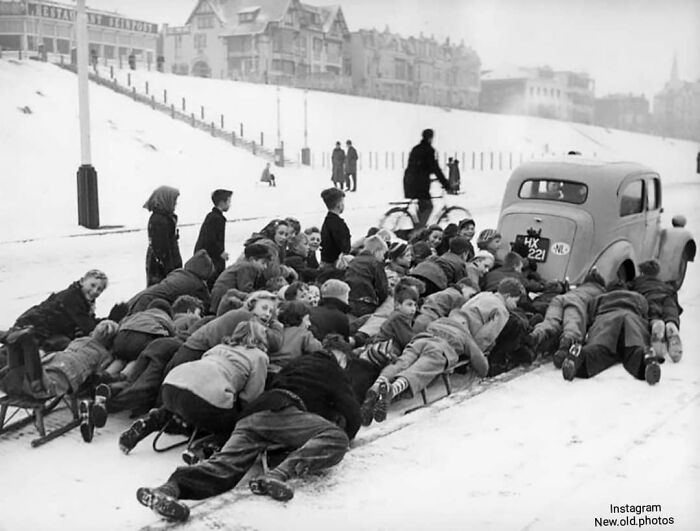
(99, 408)
(652, 370)
(87, 426)
(675, 346)
(272, 486)
(560, 355)
(572, 363)
(163, 501)
(367, 407)
(658, 332)
(141, 429)
(383, 401)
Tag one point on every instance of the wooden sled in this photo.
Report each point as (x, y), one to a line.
(35, 411)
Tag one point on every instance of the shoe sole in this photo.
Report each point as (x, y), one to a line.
(162, 504)
(87, 428)
(568, 370)
(382, 404)
(652, 373)
(277, 490)
(675, 348)
(367, 408)
(99, 415)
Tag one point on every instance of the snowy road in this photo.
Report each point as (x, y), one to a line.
(534, 453)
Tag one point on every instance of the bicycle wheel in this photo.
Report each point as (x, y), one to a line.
(453, 214)
(398, 220)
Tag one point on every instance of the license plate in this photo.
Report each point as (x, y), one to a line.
(537, 247)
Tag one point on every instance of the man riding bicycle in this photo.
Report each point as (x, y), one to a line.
(416, 179)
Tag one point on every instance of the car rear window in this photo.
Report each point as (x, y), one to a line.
(553, 190)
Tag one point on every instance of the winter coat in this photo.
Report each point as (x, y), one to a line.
(437, 305)
(312, 260)
(152, 321)
(615, 314)
(82, 358)
(432, 274)
(211, 334)
(274, 267)
(190, 280)
(397, 327)
(661, 297)
(163, 254)
(212, 235)
(486, 316)
(223, 376)
(351, 161)
(314, 383)
(300, 264)
(330, 317)
(66, 313)
(454, 267)
(422, 163)
(243, 276)
(335, 238)
(296, 340)
(493, 277)
(367, 280)
(338, 161)
(182, 323)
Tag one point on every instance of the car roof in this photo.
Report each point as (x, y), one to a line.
(582, 169)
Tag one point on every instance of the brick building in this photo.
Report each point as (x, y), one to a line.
(677, 108)
(414, 69)
(561, 95)
(628, 112)
(30, 25)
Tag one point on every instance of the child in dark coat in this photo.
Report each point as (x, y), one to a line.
(330, 316)
(190, 280)
(163, 254)
(297, 258)
(212, 234)
(664, 310)
(335, 234)
(366, 277)
(139, 329)
(454, 261)
(297, 339)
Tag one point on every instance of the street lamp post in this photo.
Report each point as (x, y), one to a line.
(88, 205)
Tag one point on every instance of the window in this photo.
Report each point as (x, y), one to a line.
(205, 21)
(631, 198)
(248, 16)
(551, 190)
(200, 40)
(653, 194)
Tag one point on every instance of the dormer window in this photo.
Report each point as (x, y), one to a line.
(248, 15)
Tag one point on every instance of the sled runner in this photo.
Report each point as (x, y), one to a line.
(445, 376)
(35, 411)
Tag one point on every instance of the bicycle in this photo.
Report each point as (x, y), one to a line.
(402, 218)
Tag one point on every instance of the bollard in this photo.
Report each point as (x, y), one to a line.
(233, 138)
(133, 92)
(172, 110)
(153, 101)
(241, 135)
(128, 79)
(473, 160)
(463, 160)
(201, 111)
(510, 161)
(392, 160)
(213, 129)
(165, 96)
(184, 108)
(500, 161)
(146, 88)
(222, 121)
(20, 54)
(481, 161)
(253, 146)
(369, 164)
(111, 70)
(192, 117)
(262, 139)
(491, 158)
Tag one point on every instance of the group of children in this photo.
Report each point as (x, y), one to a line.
(285, 353)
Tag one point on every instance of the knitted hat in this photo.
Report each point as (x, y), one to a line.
(650, 268)
(397, 249)
(255, 251)
(431, 272)
(160, 304)
(510, 287)
(451, 331)
(483, 255)
(459, 245)
(335, 289)
(486, 236)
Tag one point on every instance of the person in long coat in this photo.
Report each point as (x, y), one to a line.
(338, 165)
(619, 332)
(351, 167)
(422, 163)
(163, 255)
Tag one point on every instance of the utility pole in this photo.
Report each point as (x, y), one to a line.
(88, 204)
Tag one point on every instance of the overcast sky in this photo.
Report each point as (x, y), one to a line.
(626, 45)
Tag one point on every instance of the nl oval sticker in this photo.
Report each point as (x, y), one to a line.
(560, 248)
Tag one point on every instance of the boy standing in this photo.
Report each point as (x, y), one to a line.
(212, 234)
(335, 234)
